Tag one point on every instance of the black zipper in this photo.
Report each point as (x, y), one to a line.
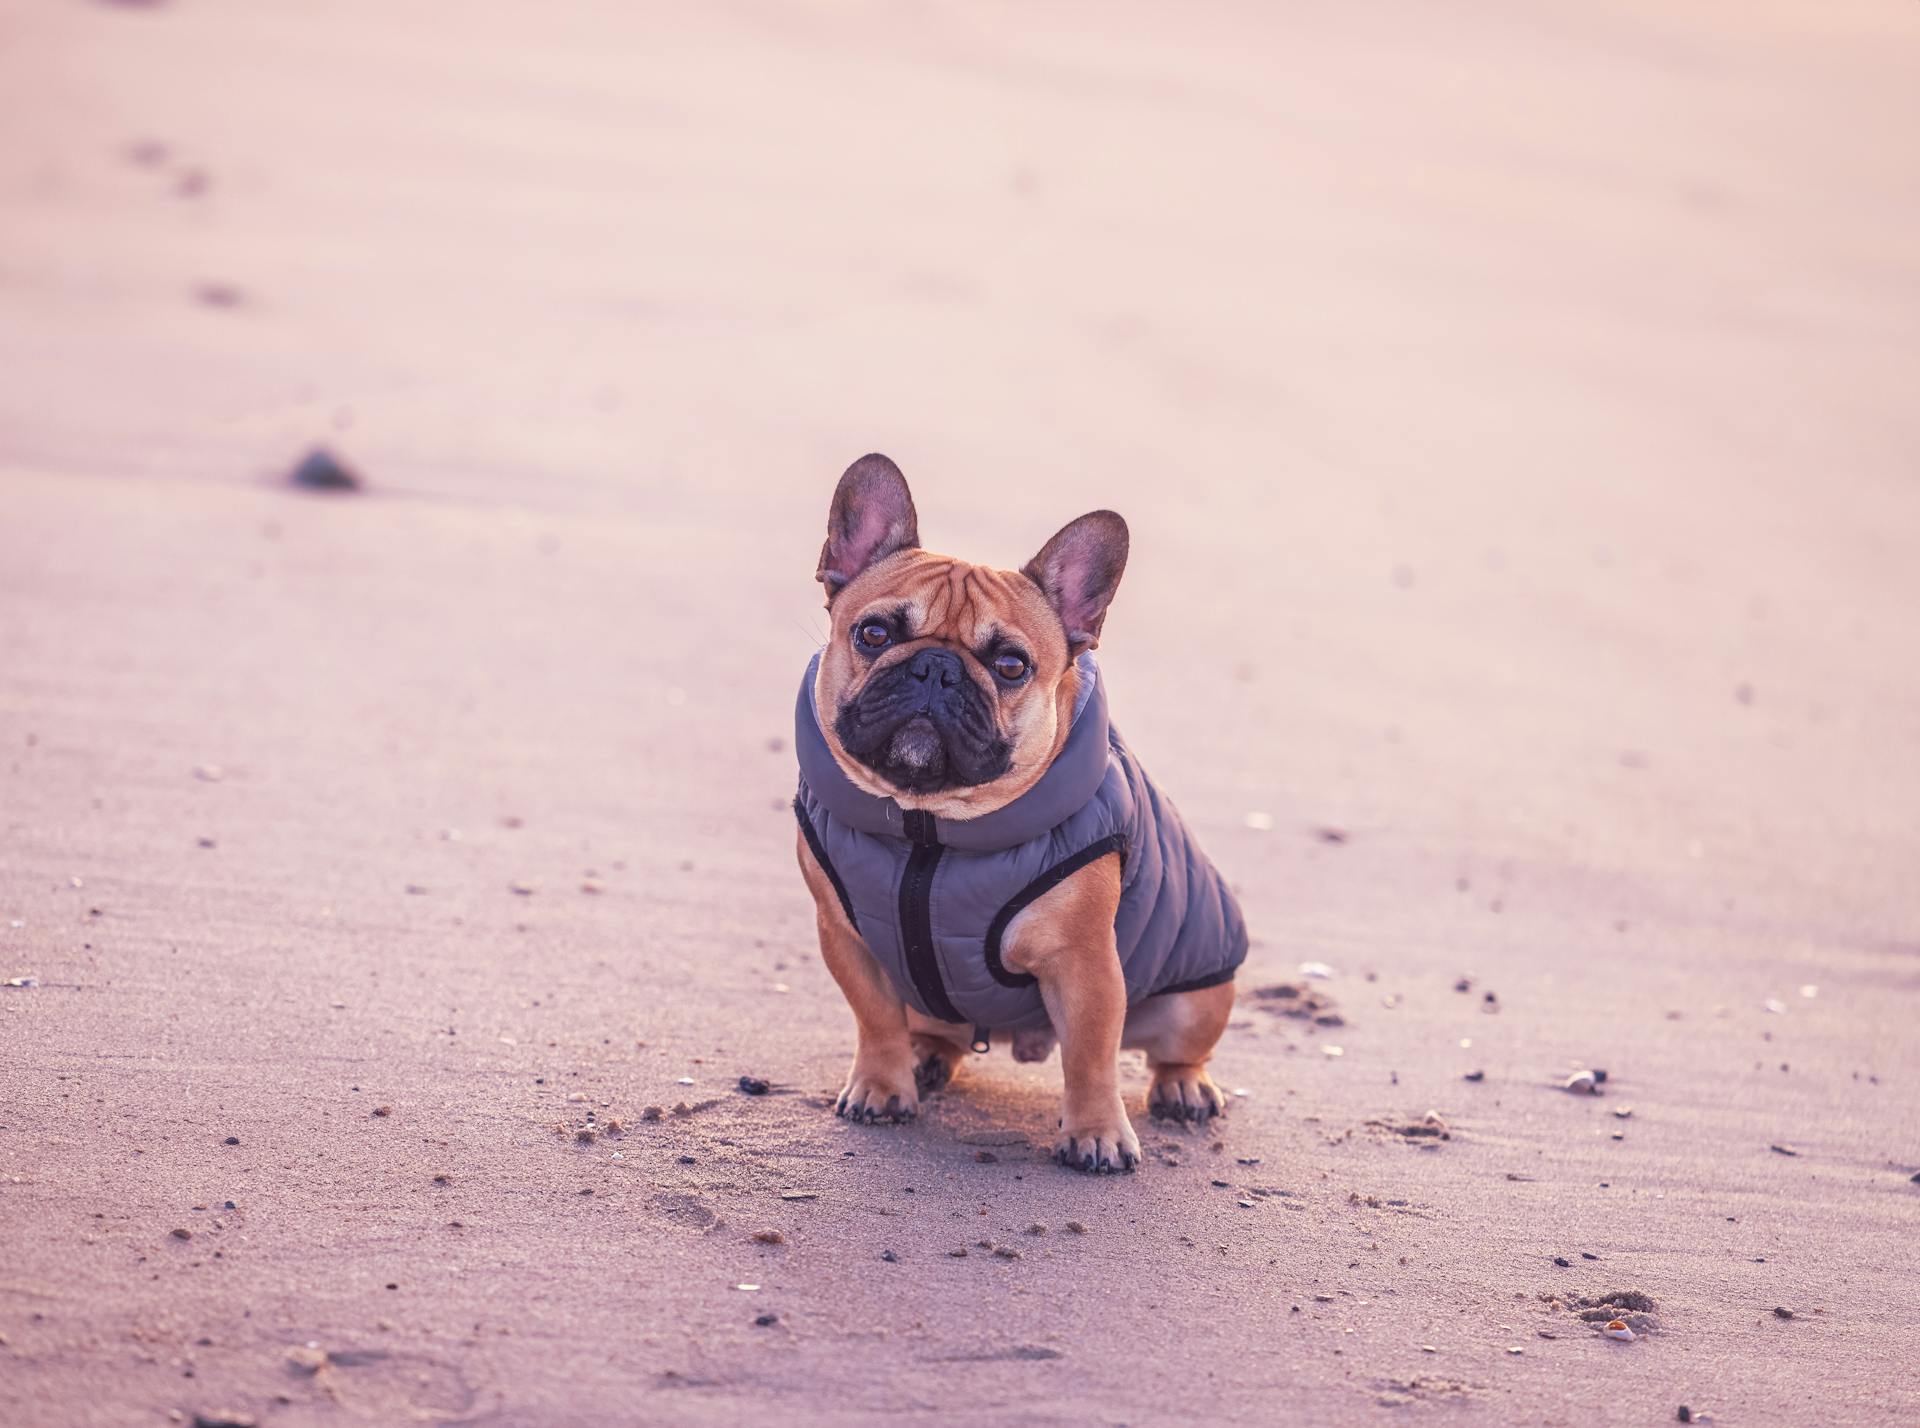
(916, 916)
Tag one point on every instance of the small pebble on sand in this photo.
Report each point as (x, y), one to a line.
(1778, 1311)
(769, 1237)
(321, 470)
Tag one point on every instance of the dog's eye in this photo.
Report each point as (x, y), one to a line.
(1010, 666)
(872, 635)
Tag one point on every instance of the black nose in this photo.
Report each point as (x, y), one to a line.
(937, 665)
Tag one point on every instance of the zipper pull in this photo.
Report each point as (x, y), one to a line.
(982, 1039)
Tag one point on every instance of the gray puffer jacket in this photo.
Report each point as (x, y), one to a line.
(932, 898)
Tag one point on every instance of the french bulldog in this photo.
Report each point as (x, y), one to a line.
(985, 854)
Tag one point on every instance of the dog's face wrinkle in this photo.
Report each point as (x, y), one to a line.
(971, 749)
(984, 740)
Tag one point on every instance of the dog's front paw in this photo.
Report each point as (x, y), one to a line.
(877, 1092)
(1184, 1093)
(1099, 1144)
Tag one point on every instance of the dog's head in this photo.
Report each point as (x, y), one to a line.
(946, 686)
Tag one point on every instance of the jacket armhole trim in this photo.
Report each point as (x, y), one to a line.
(819, 851)
(1046, 882)
(1196, 984)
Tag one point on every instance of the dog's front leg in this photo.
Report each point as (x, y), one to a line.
(880, 1087)
(1065, 939)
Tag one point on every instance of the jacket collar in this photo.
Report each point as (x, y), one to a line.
(1067, 786)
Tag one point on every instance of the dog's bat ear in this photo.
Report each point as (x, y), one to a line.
(871, 517)
(1079, 569)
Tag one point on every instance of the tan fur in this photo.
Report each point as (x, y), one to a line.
(1064, 938)
(955, 604)
(881, 1085)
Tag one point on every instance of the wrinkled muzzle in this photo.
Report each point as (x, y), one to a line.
(923, 725)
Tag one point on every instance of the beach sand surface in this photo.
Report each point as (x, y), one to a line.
(1514, 405)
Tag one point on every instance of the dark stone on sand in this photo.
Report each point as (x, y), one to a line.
(1474, 1076)
(321, 470)
(1685, 1415)
(1599, 1076)
(1780, 1313)
(764, 1321)
(1783, 1150)
(889, 1256)
(1561, 1260)
(754, 1086)
(232, 1140)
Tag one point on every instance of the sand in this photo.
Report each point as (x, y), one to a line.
(1514, 405)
